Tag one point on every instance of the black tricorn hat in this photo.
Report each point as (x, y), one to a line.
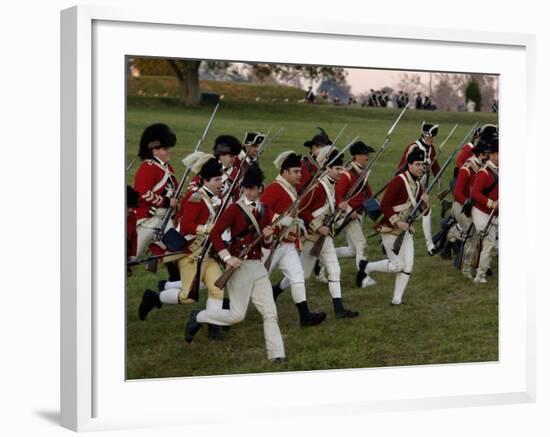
(321, 139)
(210, 169)
(429, 130)
(417, 154)
(254, 177)
(480, 147)
(493, 146)
(291, 161)
(488, 132)
(155, 136)
(254, 138)
(331, 162)
(360, 148)
(227, 144)
(132, 197)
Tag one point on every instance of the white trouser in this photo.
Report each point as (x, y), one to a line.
(471, 242)
(357, 243)
(489, 245)
(287, 259)
(250, 282)
(402, 263)
(327, 258)
(146, 231)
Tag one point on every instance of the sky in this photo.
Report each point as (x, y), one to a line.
(362, 80)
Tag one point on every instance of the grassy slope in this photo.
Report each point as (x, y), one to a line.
(446, 319)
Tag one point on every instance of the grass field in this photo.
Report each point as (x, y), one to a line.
(446, 319)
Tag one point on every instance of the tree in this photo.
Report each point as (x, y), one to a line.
(473, 93)
(187, 73)
(445, 95)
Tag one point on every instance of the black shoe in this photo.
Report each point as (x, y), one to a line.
(149, 300)
(361, 274)
(346, 314)
(278, 360)
(161, 284)
(489, 272)
(277, 290)
(312, 319)
(215, 332)
(446, 252)
(192, 326)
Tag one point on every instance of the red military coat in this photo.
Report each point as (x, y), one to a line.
(279, 195)
(464, 154)
(243, 233)
(429, 155)
(346, 181)
(397, 204)
(483, 180)
(464, 180)
(319, 203)
(155, 182)
(309, 167)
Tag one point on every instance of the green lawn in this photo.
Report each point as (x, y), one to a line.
(446, 319)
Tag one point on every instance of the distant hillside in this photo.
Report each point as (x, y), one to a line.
(167, 86)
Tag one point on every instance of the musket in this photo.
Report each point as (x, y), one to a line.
(440, 148)
(482, 235)
(131, 164)
(459, 259)
(166, 218)
(412, 215)
(339, 134)
(347, 218)
(207, 244)
(267, 143)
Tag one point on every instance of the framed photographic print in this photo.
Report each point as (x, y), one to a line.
(165, 114)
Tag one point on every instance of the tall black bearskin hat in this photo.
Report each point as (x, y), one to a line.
(287, 160)
(429, 130)
(227, 144)
(155, 136)
(132, 197)
(360, 148)
(493, 146)
(254, 177)
(417, 154)
(253, 138)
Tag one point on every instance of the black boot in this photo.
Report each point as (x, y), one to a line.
(161, 284)
(277, 290)
(447, 250)
(226, 306)
(192, 326)
(308, 318)
(173, 271)
(340, 311)
(149, 300)
(361, 273)
(489, 272)
(214, 332)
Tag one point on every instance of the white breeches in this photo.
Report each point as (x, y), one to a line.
(357, 243)
(286, 258)
(327, 258)
(490, 242)
(250, 282)
(146, 231)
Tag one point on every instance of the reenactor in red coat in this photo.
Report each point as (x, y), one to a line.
(279, 196)
(195, 224)
(314, 210)
(251, 144)
(426, 144)
(462, 205)
(309, 164)
(250, 281)
(132, 199)
(357, 243)
(486, 132)
(403, 193)
(155, 183)
(485, 196)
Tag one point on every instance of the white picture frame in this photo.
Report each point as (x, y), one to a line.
(93, 393)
